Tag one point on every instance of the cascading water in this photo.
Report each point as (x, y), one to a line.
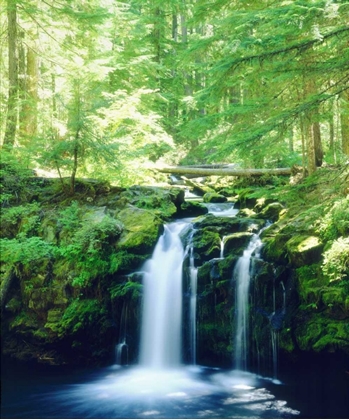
(122, 348)
(193, 298)
(242, 277)
(221, 254)
(162, 302)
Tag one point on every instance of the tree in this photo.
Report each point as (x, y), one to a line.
(12, 101)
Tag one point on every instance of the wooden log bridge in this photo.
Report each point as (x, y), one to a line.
(223, 171)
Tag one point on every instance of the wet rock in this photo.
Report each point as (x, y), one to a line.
(212, 197)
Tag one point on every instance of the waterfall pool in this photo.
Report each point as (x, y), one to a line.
(135, 392)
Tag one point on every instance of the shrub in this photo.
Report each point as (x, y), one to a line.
(336, 260)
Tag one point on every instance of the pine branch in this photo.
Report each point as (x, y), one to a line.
(301, 46)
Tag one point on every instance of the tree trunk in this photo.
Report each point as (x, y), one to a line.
(344, 121)
(311, 149)
(12, 102)
(224, 171)
(319, 154)
(31, 105)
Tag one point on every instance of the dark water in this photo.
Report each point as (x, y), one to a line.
(188, 392)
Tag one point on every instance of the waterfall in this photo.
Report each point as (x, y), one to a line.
(275, 319)
(242, 277)
(122, 338)
(221, 255)
(162, 301)
(193, 294)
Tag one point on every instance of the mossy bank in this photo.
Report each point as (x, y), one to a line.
(70, 267)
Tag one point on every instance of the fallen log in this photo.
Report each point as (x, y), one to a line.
(224, 171)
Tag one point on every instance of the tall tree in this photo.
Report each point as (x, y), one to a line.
(12, 100)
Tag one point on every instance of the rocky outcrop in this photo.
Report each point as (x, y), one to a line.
(69, 261)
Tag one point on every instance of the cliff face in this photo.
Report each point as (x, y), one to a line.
(71, 287)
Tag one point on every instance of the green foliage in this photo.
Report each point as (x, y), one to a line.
(335, 222)
(13, 215)
(130, 289)
(80, 315)
(70, 217)
(90, 249)
(25, 250)
(336, 260)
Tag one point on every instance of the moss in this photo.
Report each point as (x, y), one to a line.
(211, 197)
(206, 245)
(236, 243)
(304, 250)
(271, 211)
(274, 248)
(321, 334)
(141, 230)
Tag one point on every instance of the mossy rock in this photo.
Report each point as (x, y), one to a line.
(192, 209)
(228, 225)
(336, 302)
(261, 203)
(274, 249)
(271, 212)
(206, 245)
(246, 212)
(321, 334)
(304, 250)
(212, 197)
(141, 230)
(236, 243)
(163, 202)
(246, 198)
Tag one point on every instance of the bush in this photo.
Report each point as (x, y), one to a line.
(335, 223)
(336, 260)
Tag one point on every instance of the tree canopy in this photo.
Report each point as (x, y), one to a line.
(107, 88)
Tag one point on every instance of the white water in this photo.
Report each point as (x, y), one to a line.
(221, 255)
(121, 347)
(162, 302)
(221, 209)
(243, 277)
(193, 298)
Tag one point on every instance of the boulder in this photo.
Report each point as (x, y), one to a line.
(271, 211)
(236, 243)
(141, 230)
(304, 250)
(192, 209)
(212, 197)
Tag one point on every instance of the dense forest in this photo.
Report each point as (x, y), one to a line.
(109, 88)
(99, 101)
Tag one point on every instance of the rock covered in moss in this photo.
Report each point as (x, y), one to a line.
(304, 250)
(236, 243)
(271, 211)
(192, 209)
(141, 230)
(212, 197)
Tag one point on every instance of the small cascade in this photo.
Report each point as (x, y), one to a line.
(221, 209)
(276, 321)
(193, 298)
(162, 301)
(121, 346)
(119, 351)
(221, 255)
(242, 276)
